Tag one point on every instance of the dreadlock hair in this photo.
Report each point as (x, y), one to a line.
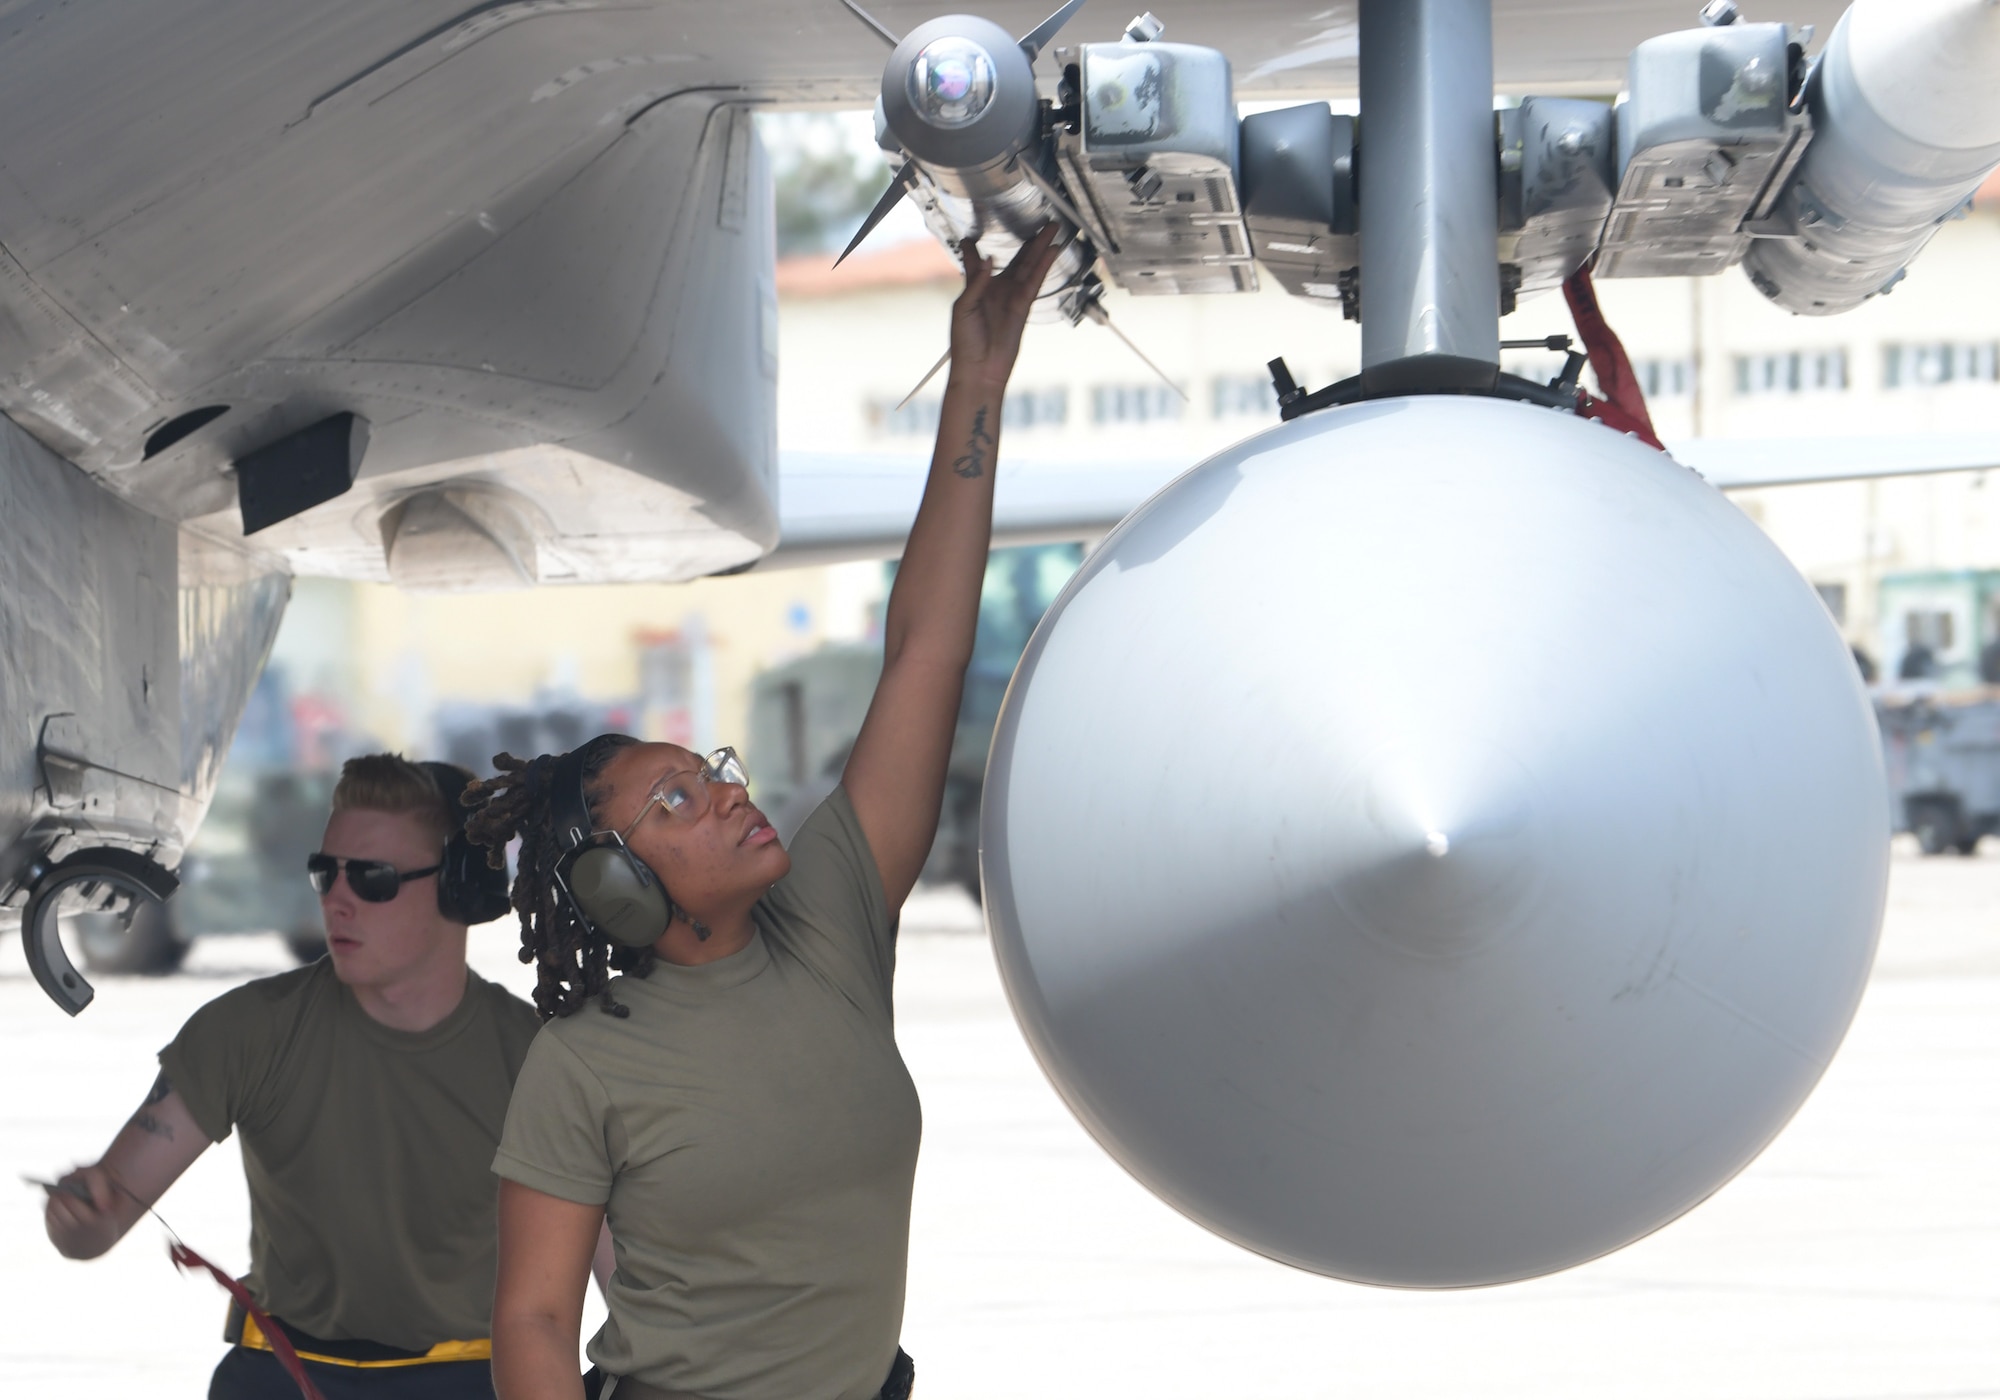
(573, 962)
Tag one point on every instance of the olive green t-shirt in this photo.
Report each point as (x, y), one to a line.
(752, 1132)
(368, 1150)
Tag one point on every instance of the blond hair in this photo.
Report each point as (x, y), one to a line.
(388, 782)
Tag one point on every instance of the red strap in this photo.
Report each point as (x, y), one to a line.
(1624, 404)
(281, 1345)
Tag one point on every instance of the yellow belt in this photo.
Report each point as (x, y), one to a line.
(478, 1349)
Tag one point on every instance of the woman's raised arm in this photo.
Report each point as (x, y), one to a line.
(895, 776)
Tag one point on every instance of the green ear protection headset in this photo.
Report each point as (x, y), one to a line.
(611, 890)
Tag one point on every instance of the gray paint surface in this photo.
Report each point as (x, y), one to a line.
(445, 216)
(87, 630)
(128, 651)
(1469, 889)
(1430, 285)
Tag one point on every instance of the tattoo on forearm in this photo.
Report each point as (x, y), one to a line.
(978, 448)
(144, 1120)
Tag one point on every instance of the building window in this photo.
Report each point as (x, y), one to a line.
(1792, 372)
(917, 418)
(1923, 366)
(1022, 409)
(1035, 408)
(1243, 396)
(1665, 379)
(1932, 629)
(1133, 403)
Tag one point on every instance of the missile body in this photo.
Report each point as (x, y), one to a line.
(959, 102)
(1905, 105)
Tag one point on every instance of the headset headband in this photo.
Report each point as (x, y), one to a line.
(567, 804)
(470, 890)
(452, 782)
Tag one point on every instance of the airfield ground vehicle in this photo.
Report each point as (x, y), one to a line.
(804, 715)
(1942, 752)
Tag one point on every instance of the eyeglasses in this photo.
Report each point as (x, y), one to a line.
(685, 794)
(374, 881)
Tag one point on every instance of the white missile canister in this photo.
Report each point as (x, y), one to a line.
(1436, 842)
(1906, 125)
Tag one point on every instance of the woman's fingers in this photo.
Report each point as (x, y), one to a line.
(1045, 256)
(1032, 263)
(1025, 275)
(1030, 267)
(978, 271)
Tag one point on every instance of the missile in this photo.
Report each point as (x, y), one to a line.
(1905, 106)
(958, 103)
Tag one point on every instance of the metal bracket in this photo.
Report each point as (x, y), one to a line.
(103, 876)
(1559, 393)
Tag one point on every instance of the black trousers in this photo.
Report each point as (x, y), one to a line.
(248, 1374)
(900, 1382)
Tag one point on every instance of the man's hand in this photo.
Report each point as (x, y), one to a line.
(84, 1216)
(94, 1206)
(987, 318)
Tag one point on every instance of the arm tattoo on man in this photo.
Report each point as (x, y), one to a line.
(973, 463)
(144, 1119)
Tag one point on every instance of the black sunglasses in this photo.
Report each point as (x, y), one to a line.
(375, 881)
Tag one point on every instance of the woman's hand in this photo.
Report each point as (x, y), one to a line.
(987, 318)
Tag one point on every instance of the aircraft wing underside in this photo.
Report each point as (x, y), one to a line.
(471, 226)
(853, 506)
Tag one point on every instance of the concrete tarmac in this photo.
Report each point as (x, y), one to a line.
(1858, 1259)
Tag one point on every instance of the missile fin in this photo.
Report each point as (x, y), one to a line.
(1096, 312)
(1037, 39)
(891, 197)
(888, 35)
(929, 375)
(1053, 195)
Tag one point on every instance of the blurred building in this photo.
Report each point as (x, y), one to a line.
(367, 664)
(1715, 358)
(1905, 566)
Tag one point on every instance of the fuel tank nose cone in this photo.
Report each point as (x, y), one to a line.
(1548, 889)
(1435, 851)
